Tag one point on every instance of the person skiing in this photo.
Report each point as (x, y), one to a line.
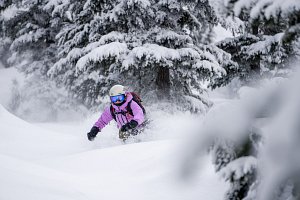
(125, 109)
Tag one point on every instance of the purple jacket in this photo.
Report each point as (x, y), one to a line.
(106, 116)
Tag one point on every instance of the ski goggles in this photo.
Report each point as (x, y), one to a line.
(120, 98)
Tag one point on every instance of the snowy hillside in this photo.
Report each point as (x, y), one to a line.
(214, 82)
(41, 164)
(23, 140)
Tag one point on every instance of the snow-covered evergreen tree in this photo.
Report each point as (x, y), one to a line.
(155, 47)
(237, 164)
(26, 25)
(33, 45)
(270, 41)
(254, 142)
(7, 11)
(76, 18)
(29, 44)
(279, 160)
(234, 146)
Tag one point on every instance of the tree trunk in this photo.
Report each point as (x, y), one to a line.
(163, 82)
(255, 64)
(255, 27)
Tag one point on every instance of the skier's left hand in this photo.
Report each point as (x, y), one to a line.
(132, 124)
(125, 127)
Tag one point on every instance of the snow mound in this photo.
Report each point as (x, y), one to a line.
(144, 170)
(39, 163)
(24, 180)
(23, 140)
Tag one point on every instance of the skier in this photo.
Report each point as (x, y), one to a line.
(126, 109)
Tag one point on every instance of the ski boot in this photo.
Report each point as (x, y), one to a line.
(123, 135)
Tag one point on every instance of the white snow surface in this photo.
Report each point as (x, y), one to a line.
(55, 161)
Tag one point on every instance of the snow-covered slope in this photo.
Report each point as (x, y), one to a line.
(56, 162)
(136, 171)
(40, 164)
(26, 180)
(26, 141)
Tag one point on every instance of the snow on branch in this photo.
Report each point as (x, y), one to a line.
(168, 35)
(111, 37)
(142, 3)
(274, 7)
(158, 54)
(271, 8)
(263, 47)
(59, 7)
(11, 12)
(238, 168)
(154, 52)
(114, 49)
(53, 4)
(123, 7)
(31, 37)
(210, 66)
(74, 54)
(239, 5)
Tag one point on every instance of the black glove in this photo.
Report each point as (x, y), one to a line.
(125, 127)
(93, 132)
(132, 124)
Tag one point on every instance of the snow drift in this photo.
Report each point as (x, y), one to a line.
(42, 164)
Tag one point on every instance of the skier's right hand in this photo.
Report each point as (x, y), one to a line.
(93, 133)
